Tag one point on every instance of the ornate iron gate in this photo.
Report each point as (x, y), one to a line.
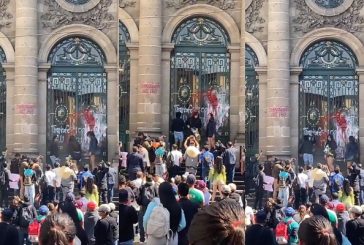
(200, 73)
(124, 83)
(251, 103)
(329, 96)
(2, 102)
(76, 97)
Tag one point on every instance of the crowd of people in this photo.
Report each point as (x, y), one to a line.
(190, 191)
(55, 203)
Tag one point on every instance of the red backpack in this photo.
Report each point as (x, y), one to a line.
(34, 230)
(282, 234)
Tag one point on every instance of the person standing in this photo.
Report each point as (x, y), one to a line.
(8, 232)
(4, 186)
(50, 182)
(306, 149)
(90, 219)
(211, 131)
(129, 218)
(29, 183)
(258, 204)
(229, 159)
(284, 182)
(143, 151)
(206, 162)
(194, 124)
(191, 155)
(259, 234)
(93, 149)
(189, 208)
(320, 181)
(354, 176)
(330, 152)
(134, 163)
(301, 189)
(277, 168)
(355, 226)
(103, 233)
(178, 127)
(112, 177)
(175, 158)
(217, 177)
(54, 150)
(195, 195)
(351, 152)
(336, 180)
(68, 178)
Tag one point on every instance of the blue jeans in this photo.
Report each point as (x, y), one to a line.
(308, 159)
(283, 195)
(178, 137)
(29, 191)
(230, 173)
(205, 173)
(110, 192)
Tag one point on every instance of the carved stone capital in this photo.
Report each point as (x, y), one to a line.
(223, 4)
(307, 19)
(55, 16)
(5, 16)
(253, 20)
(127, 3)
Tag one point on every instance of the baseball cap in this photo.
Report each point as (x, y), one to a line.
(91, 206)
(324, 199)
(104, 208)
(340, 208)
(289, 211)
(191, 179)
(356, 210)
(43, 210)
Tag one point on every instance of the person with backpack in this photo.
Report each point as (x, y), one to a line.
(287, 229)
(355, 227)
(146, 193)
(284, 182)
(4, 186)
(336, 180)
(206, 162)
(29, 180)
(164, 218)
(259, 233)
(229, 159)
(26, 215)
(9, 234)
(34, 227)
(130, 217)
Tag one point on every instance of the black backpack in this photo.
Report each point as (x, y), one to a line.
(2, 178)
(146, 195)
(26, 217)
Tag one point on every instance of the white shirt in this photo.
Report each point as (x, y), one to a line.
(177, 156)
(138, 182)
(302, 179)
(50, 177)
(248, 214)
(310, 179)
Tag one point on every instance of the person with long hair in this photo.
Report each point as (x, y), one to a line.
(211, 131)
(177, 218)
(346, 195)
(316, 230)
(57, 229)
(217, 177)
(92, 193)
(330, 152)
(220, 223)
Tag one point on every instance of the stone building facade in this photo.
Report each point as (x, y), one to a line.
(59, 75)
(270, 71)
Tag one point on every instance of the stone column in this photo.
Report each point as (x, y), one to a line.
(42, 111)
(236, 97)
(149, 89)
(112, 111)
(166, 86)
(134, 56)
(9, 71)
(294, 102)
(360, 72)
(26, 78)
(241, 97)
(262, 74)
(278, 121)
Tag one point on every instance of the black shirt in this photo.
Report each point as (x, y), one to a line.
(103, 232)
(178, 125)
(8, 234)
(355, 231)
(190, 209)
(128, 217)
(259, 235)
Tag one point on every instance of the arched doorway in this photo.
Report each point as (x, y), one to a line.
(76, 96)
(251, 103)
(328, 96)
(2, 102)
(124, 82)
(200, 73)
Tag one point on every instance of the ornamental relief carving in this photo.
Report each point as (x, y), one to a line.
(127, 3)
(223, 4)
(5, 16)
(253, 20)
(307, 19)
(55, 16)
